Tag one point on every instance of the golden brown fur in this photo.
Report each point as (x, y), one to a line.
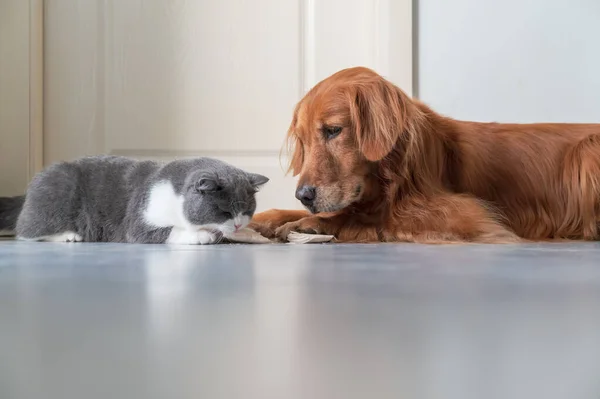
(398, 171)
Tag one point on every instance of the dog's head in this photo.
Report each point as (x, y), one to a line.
(340, 130)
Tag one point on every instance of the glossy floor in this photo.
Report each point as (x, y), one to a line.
(308, 321)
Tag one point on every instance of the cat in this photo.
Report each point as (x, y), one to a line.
(118, 199)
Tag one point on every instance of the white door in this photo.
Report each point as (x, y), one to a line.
(20, 93)
(164, 79)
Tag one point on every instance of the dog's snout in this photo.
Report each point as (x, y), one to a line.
(306, 195)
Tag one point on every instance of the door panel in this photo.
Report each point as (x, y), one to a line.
(159, 80)
(14, 96)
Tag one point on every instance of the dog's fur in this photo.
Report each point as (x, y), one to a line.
(398, 171)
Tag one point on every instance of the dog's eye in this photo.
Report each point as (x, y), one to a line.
(331, 131)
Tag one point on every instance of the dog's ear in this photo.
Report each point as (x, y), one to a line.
(379, 111)
(294, 146)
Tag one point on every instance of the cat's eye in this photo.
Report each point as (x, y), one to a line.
(228, 215)
(331, 132)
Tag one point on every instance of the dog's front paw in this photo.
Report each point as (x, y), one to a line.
(308, 225)
(266, 229)
(267, 222)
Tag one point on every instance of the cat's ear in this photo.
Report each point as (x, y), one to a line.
(207, 185)
(257, 180)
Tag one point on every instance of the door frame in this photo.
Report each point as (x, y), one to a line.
(36, 86)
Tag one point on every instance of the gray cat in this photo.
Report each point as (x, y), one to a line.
(116, 199)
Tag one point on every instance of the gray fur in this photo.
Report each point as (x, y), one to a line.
(103, 198)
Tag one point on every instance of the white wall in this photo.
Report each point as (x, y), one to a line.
(510, 60)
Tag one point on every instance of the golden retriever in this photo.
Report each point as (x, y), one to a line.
(375, 165)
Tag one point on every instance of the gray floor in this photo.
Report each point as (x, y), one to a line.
(81, 321)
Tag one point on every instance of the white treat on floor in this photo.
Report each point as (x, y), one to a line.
(247, 236)
(301, 238)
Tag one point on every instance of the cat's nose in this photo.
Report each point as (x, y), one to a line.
(306, 195)
(237, 226)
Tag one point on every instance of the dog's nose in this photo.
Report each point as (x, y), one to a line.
(306, 195)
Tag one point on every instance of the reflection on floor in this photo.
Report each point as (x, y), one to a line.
(308, 321)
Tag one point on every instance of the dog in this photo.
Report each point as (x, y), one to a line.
(375, 165)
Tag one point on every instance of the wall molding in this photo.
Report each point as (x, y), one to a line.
(415, 48)
(157, 153)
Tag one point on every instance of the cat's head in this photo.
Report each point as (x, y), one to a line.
(221, 200)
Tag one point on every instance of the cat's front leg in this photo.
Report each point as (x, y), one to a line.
(192, 237)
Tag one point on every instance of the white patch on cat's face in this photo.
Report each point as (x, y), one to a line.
(232, 225)
(165, 207)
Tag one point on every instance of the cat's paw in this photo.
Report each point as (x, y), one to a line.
(67, 236)
(208, 237)
(192, 237)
